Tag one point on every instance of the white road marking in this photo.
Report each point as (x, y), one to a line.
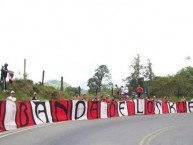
(28, 128)
(149, 138)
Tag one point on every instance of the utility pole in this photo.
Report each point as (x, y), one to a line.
(112, 91)
(43, 73)
(79, 90)
(61, 88)
(24, 72)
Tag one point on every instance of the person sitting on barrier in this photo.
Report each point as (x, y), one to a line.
(183, 99)
(166, 99)
(102, 99)
(34, 97)
(12, 96)
(76, 97)
(84, 97)
(107, 99)
(96, 98)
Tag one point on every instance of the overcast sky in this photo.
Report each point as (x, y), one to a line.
(71, 38)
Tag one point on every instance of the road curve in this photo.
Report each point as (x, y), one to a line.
(170, 129)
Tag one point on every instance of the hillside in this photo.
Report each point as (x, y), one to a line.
(25, 89)
(56, 84)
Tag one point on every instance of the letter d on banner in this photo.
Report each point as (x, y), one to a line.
(79, 110)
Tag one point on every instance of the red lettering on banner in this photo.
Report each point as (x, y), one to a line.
(93, 109)
(165, 107)
(2, 115)
(149, 107)
(181, 107)
(61, 110)
(24, 115)
(131, 107)
(112, 109)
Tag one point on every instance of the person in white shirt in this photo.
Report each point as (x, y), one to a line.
(12, 97)
(122, 90)
(126, 90)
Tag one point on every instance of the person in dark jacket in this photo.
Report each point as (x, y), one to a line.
(4, 72)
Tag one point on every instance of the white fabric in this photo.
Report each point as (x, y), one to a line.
(122, 108)
(139, 106)
(80, 110)
(10, 98)
(10, 114)
(158, 108)
(104, 110)
(39, 112)
(126, 90)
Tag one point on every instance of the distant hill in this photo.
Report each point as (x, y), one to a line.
(56, 84)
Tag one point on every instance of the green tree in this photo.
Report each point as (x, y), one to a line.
(185, 81)
(178, 85)
(148, 72)
(71, 91)
(136, 69)
(162, 86)
(102, 77)
(148, 75)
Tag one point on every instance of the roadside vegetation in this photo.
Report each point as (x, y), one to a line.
(173, 86)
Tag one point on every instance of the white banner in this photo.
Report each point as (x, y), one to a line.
(41, 111)
(189, 107)
(139, 106)
(10, 115)
(79, 110)
(172, 107)
(122, 108)
(158, 108)
(104, 110)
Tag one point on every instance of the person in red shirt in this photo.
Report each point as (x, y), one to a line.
(139, 91)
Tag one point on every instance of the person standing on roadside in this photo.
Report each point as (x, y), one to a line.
(139, 91)
(4, 72)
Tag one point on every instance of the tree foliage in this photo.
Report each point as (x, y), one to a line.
(179, 85)
(136, 71)
(102, 77)
(140, 74)
(148, 72)
(71, 91)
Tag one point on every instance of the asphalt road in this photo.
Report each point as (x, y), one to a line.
(170, 129)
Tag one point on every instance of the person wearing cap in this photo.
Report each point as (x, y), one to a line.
(4, 72)
(12, 96)
(34, 97)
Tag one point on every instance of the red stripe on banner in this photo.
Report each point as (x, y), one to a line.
(24, 115)
(165, 107)
(94, 109)
(149, 107)
(181, 107)
(112, 109)
(2, 115)
(61, 110)
(131, 107)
